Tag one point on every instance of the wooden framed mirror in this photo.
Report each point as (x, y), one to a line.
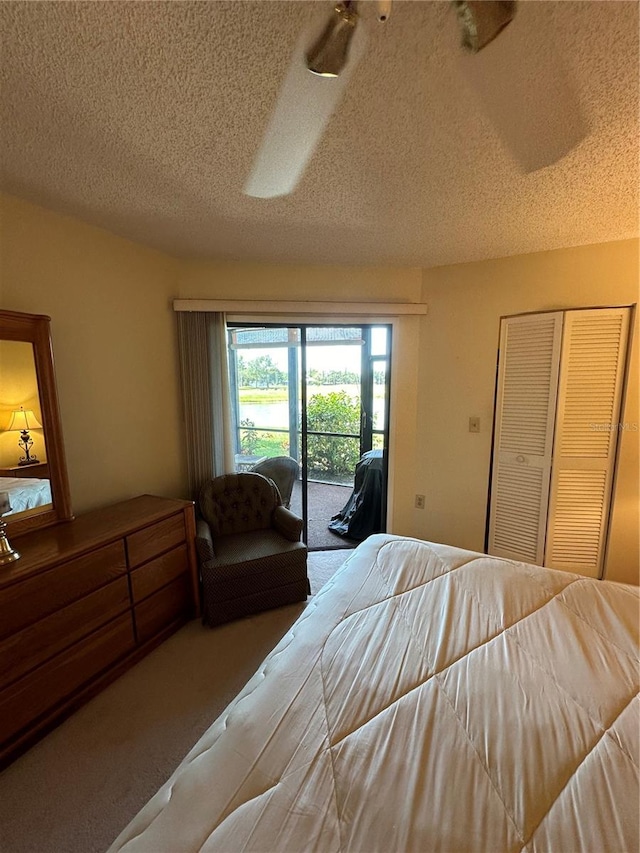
(33, 469)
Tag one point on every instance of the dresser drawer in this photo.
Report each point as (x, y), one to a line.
(40, 691)
(24, 603)
(159, 572)
(153, 540)
(33, 645)
(171, 603)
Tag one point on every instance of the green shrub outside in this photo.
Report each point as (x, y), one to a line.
(328, 458)
(254, 442)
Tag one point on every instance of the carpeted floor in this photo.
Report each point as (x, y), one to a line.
(75, 790)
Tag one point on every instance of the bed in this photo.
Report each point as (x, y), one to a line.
(427, 699)
(26, 492)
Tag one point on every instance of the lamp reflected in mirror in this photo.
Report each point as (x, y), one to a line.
(23, 421)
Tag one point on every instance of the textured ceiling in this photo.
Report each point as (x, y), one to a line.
(145, 118)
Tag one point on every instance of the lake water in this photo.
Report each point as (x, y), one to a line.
(276, 415)
(266, 414)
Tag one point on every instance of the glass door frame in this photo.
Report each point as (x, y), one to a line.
(299, 384)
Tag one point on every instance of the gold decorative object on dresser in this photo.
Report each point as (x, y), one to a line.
(86, 600)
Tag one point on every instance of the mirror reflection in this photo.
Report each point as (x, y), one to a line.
(24, 470)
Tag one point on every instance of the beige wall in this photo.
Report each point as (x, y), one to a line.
(229, 280)
(457, 379)
(114, 346)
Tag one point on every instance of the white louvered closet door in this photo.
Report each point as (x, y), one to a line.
(589, 402)
(523, 441)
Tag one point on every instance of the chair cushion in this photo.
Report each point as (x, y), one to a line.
(237, 503)
(252, 553)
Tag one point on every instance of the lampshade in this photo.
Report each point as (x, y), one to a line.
(23, 419)
(329, 54)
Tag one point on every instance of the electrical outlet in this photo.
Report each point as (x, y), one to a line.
(419, 502)
(474, 424)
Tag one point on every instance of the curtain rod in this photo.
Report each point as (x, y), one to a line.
(251, 306)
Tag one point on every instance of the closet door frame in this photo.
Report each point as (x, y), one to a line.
(620, 393)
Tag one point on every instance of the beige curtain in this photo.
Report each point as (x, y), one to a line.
(202, 342)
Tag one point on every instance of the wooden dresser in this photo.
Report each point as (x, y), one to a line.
(87, 600)
(38, 469)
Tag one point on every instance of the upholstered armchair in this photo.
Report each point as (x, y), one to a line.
(283, 470)
(249, 549)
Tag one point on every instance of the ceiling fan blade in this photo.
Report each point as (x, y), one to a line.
(525, 91)
(305, 105)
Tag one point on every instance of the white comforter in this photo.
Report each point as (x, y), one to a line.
(427, 699)
(26, 492)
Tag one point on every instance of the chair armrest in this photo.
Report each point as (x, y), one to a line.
(204, 541)
(287, 524)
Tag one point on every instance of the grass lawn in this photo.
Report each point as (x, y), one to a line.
(280, 395)
(263, 395)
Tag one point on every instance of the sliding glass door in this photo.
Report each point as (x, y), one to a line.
(319, 394)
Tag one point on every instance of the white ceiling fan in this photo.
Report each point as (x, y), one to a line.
(537, 130)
